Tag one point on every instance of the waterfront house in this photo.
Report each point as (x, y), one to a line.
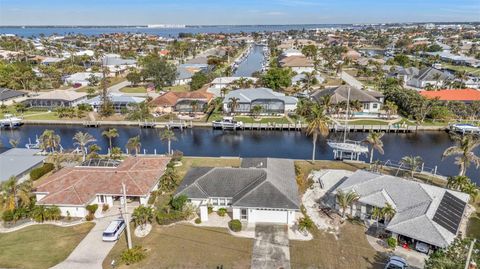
(262, 190)
(99, 181)
(298, 64)
(371, 100)
(271, 102)
(7, 95)
(222, 82)
(424, 213)
(82, 78)
(291, 52)
(181, 102)
(459, 95)
(56, 98)
(116, 64)
(185, 72)
(428, 76)
(18, 162)
(119, 101)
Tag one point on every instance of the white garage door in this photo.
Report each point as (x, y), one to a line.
(273, 216)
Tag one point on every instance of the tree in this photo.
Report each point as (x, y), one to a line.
(233, 103)
(134, 77)
(454, 256)
(463, 184)
(256, 110)
(116, 153)
(158, 70)
(377, 215)
(82, 140)
(277, 78)
(169, 136)
(375, 141)
(142, 215)
(13, 142)
(388, 211)
(134, 144)
(317, 124)
(309, 80)
(169, 180)
(464, 152)
(390, 108)
(198, 80)
(412, 162)
(110, 134)
(15, 194)
(310, 51)
(93, 80)
(49, 141)
(178, 202)
(346, 200)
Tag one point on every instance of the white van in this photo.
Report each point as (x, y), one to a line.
(113, 231)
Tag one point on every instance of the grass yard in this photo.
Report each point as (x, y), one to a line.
(188, 246)
(178, 88)
(461, 68)
(367, 122)
(473, 227)
(40, 246)
(132, 89)
(278, 120)
(189, 162)
(350, 250)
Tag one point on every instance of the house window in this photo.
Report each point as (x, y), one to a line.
(375, 106)
(102, 199)
(366, 106)
(243, 214)
(229, 201)
(214, 201)
(222, 201)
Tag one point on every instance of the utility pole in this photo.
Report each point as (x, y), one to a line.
(470, 253)
(127, 222)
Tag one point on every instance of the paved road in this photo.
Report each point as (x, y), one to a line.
(271, 247)
(91, 251)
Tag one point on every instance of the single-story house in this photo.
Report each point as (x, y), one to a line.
(99, 182)
(8, 94)
(119, 101)
(18, 162)
(291, 52)
(116, 64)
(261, 190)
(298, 64)
(81, 78)
(55, 98)
(298, 79)
(271, 102)
(185, 72)
(460, 95)
(429, 76)
(371, 100)
(222, 82)
(52, 60)
(424, 212)
(181, 102)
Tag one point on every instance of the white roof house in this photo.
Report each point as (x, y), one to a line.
(291, 52)
(270, 100)
(424, 212)
(82, 78)
(18, 162)
(222, 82)
(55, 98)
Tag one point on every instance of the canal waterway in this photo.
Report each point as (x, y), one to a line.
(281, 144)
(252, 63)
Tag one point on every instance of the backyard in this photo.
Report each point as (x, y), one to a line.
(133, 89)
(40, 246)
(188, 246)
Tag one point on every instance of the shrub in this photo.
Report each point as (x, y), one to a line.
(92, 209)
(210, 209)
(40, 171)
(177, 156)
(178, 202)
(235, 225)
(105, 207)
(305, 224)
(89, 217)
(164, 218)
(134, 255)
(152, 198)
(222, 212)
(198, 221)
(392, 242)
(7, 215)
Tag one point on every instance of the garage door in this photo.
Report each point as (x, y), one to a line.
(273, 216)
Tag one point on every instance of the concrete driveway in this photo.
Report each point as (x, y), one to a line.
(91, 251)
(271, 247)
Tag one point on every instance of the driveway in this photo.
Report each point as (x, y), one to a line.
(91, 251)
(271, 247)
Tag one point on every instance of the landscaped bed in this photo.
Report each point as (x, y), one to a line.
(188, 246)
(40, 246)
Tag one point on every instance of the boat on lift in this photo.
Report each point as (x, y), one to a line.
(10, 121)
(227, 123)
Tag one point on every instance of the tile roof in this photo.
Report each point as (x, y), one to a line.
(415, 204)
(296, 61)
(453, 95)
(261, 182)
(171, 98)
(80, 185)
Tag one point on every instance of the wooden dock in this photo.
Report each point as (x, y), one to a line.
(147, 124)
(94, 124)
(375, 128)
(178, 125)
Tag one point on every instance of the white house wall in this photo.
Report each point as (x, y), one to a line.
(75, 211)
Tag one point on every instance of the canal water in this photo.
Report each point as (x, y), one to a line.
(282, 144)
(252, 63)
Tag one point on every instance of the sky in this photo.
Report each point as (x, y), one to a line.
(223, 12)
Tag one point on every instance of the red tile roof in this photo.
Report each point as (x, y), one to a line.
(171, 98)
(453, 95)
(80, 185)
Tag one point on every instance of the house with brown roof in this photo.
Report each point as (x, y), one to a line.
(467, 96)
(298, 64)
(181, 102)
(100, 182)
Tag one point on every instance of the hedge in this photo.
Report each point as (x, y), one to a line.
(164, 218)
(40, 171)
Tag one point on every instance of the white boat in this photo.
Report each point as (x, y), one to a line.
(227, 123)
(465, 128)
(10, 121)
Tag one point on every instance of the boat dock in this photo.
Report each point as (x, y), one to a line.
(375, 128)
(464, 129)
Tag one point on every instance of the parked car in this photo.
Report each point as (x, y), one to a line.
(114, 230)
(396, 262)
(422, 247)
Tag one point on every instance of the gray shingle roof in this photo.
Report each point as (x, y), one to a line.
(271, 185)
(428, 74)
(340, 94)
(6, 94)
(249, 95)
(17, 161)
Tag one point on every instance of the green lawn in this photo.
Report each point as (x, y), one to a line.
(40, 246)
(178, 88)
(473, 227)
(131, 89)
(188, 246)
(278, 120)
(368, 122)
(461, 68)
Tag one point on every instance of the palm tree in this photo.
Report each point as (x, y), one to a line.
(256, 110)
(390, 108)
(233, 102)
(134, 144)
(317, 125)
(142, 215)
(13, 142)
(169, 136)
(15, 194)
(388, 211)
(82, 140)
(375, 141)
(463, 184)
(304, 107)
(49, 140)
(194, 105)
(309, 80)
(346, 200)
(327, 103)
(377, 215)
(436, 77)
(464, 152)
(412, 162)
(110, 134)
